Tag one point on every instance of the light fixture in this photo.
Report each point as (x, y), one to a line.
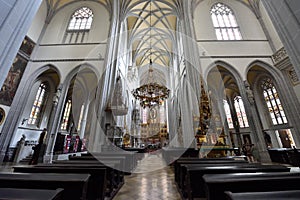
(151, 93)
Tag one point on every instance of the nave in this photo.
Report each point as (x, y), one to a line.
(151, 180)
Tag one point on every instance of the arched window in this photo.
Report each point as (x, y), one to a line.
(82, 19)
(66, 116)
(228, 113)
(38, 105)
(240, 112)
(224, 21)
(80, 117)
(79, 25)
(273, 102)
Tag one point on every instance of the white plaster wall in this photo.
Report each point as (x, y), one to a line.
(58, 25)
(65, 67)
(240, 64)
(79, 51)
(249, 25)
(270, 27)
(235, 48)
(38, 23)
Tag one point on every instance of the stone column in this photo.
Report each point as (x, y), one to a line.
(286, 19)
(192, 67)
(54, 122)
(108, 80)
(15, 19)
(254, 122)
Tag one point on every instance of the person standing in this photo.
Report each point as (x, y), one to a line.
(38, 149)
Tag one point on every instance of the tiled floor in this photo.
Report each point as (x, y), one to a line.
(152, 180)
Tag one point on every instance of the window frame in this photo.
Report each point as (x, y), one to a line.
(85, 29)
(67, 108)
(222, 25)
(273, 103)
(228, 114)
(37, 116)
(241, 109)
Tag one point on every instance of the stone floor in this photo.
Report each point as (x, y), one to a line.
(152, 180)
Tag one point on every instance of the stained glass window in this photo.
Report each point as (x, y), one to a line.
(240, 112)
(38, 105)
(66, 116)
(273, 102)
(228, 114)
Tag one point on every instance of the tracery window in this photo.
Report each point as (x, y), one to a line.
(240, 112)
(79, 25)
(228, 113)
(224, 22)
(66, 116)
(38, 105)
(273, 102)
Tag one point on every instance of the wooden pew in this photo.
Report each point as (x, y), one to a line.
(102, 159)
(115, 175)
(97, 182)
(172, 154)
(194, 182)
(30, 194)
(180, 171)
(217, 184)
(131, 158)
(274, 195)
(74, 185)
(114, 178)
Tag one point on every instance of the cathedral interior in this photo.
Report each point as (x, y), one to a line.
(150, 88)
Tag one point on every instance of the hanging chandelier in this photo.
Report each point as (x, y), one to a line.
(151, 93)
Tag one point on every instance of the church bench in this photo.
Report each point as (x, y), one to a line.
(179, 161)
(30, 194)
(114, 178)
(130, 158)
(74, 185)
(273, 195)
(140, 151)
(101, 159)
(217, 184)
(97, 182)
(179, 170)
(172, 154)
(194, 185)
(115, 175)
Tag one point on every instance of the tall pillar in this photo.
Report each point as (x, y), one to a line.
(192, 81)
(54, 122)
(286, 19)
(254, 121)
(108, 79)
(15, 19)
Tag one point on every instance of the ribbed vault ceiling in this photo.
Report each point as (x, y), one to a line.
(152, 26)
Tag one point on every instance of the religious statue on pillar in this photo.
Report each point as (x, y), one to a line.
(57, 95)
(249, 92)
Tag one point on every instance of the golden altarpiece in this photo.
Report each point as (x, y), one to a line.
(210, 136)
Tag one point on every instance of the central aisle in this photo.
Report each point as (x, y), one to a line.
(152, 180)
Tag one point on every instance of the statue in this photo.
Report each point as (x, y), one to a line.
(249, 92)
